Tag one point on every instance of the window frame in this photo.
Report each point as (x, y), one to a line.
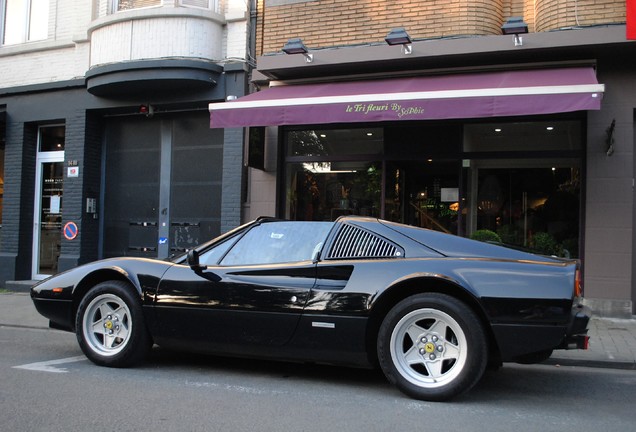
(25, 35)
(115, 6)
(213, 5)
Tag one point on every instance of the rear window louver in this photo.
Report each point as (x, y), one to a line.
(354, 242)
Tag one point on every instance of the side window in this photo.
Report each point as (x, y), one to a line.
(212, 256)
(122, 5)
(24, 21)
(278, 242)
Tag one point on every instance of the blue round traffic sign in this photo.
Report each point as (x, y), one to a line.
(70, 230)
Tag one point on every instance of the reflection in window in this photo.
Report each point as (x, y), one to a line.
(52, 138)
(212, 256)
(25, 21)
(333, 172)
(203, 4)
(423, 193)
(278, 242)
(323, 191)
(123, 5)
(536, 208)
(333, 142)
(523, 136)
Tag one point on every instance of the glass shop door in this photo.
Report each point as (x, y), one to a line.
(49, 189)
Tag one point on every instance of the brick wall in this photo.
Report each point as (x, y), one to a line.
(232, 179)
(17, 217)
(327, 23)
(43, 66)
(82, 144)
(347, 22)
(557, 14)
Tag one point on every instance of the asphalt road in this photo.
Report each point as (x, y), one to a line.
(47, 385)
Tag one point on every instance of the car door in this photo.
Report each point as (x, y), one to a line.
(252, 293)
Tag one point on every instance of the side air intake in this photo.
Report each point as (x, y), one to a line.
(354, 242)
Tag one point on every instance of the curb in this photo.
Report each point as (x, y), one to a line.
(600, 364)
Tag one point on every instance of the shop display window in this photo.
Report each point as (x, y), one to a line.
(515, 182)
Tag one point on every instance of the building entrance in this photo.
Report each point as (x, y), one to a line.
(423, 193)
(162, 189)
(49, 191)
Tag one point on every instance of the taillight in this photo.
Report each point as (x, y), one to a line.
(578, 284)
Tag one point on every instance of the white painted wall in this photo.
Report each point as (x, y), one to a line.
(82, 34)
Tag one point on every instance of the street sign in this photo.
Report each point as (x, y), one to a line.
(70, 230)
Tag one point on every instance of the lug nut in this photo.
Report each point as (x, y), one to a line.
(440, 348)
(432, 357)
(422, 351)
(434, 338)
(424, 340)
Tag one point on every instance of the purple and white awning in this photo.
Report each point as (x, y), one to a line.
(485, 94)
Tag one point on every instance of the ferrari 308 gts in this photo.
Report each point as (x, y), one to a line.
(432, 310)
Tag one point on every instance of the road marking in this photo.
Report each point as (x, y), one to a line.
(47, 366)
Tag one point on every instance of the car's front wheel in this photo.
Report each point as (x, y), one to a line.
(110, 325)
(432, 347)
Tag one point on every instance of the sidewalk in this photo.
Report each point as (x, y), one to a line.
(612, 341)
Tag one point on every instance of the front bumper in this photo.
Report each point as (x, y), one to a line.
(59, 312)
(576, 335)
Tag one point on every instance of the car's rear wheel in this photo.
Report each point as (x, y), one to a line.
(110, 325)
(432, 347)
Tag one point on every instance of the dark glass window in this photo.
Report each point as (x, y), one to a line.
(52, 138)
(335, 142)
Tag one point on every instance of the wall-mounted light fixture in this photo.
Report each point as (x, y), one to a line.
(147, 110)
(399, 36)
(515, 26)
(296, 46)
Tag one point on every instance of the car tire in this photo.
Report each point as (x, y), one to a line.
(432, 347)
(110, 325)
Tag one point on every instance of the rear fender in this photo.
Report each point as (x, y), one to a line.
(422, 283)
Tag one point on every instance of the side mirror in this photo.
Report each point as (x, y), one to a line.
(193, 260)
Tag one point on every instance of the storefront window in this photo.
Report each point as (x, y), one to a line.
(532, 198)
(335, 142)
(423, 193)
(323, 191)
(333, 172)
(532, 207)
(517, 181)
(563, 135)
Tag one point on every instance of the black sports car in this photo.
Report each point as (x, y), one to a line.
(431, 309)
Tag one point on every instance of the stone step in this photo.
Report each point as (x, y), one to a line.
(19, 286)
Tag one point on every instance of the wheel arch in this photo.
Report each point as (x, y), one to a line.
(97, 277)
(418, 285)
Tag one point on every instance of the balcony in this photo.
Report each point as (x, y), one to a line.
(141, 51)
